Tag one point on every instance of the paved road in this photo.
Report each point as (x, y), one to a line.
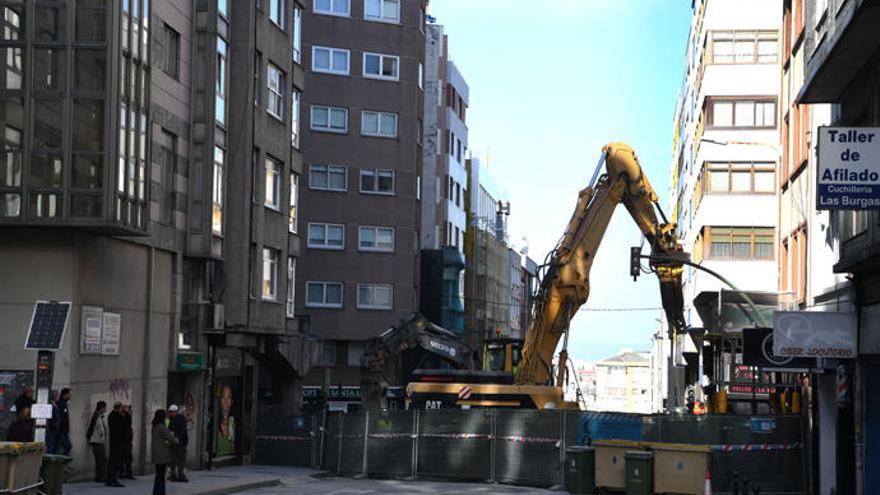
(346, 486)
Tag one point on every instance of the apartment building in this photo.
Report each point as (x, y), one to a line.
(836, 43)
(119, 194)
(623, 383)
(724, 168)
(361, 208)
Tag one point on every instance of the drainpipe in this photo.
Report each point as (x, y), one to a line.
(145, 371)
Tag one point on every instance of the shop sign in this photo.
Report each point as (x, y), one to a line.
(344, 393)
(814, 334)
(848, 169)
(110, 333)
(228, 362)
(337, 407)
(190, 361)
(758, 351)
(91, 322)
(763, 425)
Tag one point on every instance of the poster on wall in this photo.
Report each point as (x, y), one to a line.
(227, 401)
(110, 334)
(12, 384)
(91, 322)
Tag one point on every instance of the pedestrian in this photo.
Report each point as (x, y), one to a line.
(62, 443)
(129, 438)
(22, 429)
(163, 439)
(96, 436)
(52, 425)
(178, 452)
(25, 400)
(117, 435)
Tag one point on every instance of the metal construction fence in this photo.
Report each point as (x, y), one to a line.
(526, 447)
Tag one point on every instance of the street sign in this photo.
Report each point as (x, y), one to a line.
(47, 325)
(848, 172)
(829, 334)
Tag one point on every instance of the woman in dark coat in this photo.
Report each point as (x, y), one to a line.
(163, 439)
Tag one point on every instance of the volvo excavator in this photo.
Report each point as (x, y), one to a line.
(564, 288)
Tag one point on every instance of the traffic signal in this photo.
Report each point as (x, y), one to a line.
(635, 262)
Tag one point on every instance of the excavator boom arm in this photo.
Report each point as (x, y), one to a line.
(566, 285)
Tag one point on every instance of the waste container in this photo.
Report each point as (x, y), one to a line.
(680, 468)
(610, 471)
(52, 472)
(22, 469)
(639, 472)
(580, 469)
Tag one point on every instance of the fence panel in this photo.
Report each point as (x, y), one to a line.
(285, 440)
(390, 443)
(528, 444)
(455, 444)
(352, 455)
(331, 438)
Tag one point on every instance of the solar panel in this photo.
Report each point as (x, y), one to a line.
(47, 325)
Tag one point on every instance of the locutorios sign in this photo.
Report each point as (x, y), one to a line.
(849, 168)
(814, 334)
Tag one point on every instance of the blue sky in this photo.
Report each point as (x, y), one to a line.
(551, 81)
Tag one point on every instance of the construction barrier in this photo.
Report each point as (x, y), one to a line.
(527, 447)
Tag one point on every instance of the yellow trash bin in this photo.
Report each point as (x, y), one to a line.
(22, 460)
(611, 464)
(680, 468)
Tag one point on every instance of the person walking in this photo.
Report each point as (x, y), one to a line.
(178, 452)
(96, 436)
(62, 443)
(162, 439)
(117, 436)
(129, 438)
(22, 429)
(25, 400)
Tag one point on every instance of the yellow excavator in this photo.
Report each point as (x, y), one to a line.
(564, 288)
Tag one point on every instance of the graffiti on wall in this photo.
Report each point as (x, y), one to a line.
(120, 391)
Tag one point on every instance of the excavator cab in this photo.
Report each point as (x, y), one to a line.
(502, 354)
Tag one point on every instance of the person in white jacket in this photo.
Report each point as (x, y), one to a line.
(97, 437)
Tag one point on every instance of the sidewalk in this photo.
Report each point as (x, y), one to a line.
(215, 482)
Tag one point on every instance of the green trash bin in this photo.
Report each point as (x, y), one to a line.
(639, 472)
(580, 469)
(52, 472)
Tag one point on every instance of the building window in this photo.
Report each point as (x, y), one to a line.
(376, 239)
(742, 113)
(291, 287)
(382, 10)
(744, 47)
(375, 296)
(222, 7)
(275, 95)
(85, 174)
(217, 191)
(171, 45)
(421, 76)
(297, 34)
(379, 124)
(330, 60)
(355, 353)
(270, 274)
(272, 198)
(332, 7)
(294, 118)
(277, 12)
(220, 90)
(326, 236)
(738, 177)
(732, 243)
(328, 177)
(329, 119)
(379, 66)
(258, 69)
(328, 353)
(294, 202)
(377, 181)
(323, 294)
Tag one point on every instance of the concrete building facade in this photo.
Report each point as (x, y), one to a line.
(724, 168)
(116, 196)
(623, 383)
(361, 208)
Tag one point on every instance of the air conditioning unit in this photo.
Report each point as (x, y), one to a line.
(205, 316)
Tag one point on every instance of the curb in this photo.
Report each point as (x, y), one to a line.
(226, 490)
